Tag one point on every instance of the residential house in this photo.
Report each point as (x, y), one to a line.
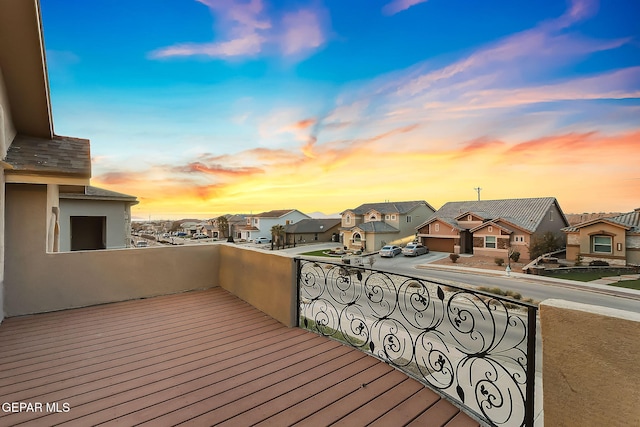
(94, 218)
(260, 225)
(615, 240)
(313, 230)
(234, 221)
(189, 227)
(491, 227)
(373, 225)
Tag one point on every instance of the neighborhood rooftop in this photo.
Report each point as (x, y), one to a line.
(388, 207)
(525, 213)
(57, 156)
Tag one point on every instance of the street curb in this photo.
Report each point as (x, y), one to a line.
(570, 284)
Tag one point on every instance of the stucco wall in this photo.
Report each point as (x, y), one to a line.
(590, 359)
(2, 205)
(116, 220)
(7, 130)
(264, 280)
(37, 281)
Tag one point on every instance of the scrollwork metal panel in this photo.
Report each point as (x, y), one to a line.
(474, 347)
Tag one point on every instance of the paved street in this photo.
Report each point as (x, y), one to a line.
(535, 287)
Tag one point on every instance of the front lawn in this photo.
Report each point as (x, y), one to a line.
(322, 252)
(595, 275)
(630, 284)
(584, 277)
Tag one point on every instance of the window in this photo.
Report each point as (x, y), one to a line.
(437, 227)
(518, 239)
(393, 217)
(469, 218)
(372, 217)
(357, 237)
(490, 229)
(490, 242)
(387, 217)
(347, 220)
(601, 244)
(408, 218)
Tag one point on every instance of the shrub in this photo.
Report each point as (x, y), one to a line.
(544, 244)
(598, 263)
(515, 256)
(454, 257)
(579, 260)
(499, 261)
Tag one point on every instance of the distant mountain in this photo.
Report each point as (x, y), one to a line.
(321, 215)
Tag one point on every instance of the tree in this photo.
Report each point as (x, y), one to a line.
(223, 226)
(277, 234)
(545, 243)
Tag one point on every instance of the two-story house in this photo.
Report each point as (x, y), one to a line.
(259, 225)
(373, 225)
(491, 227)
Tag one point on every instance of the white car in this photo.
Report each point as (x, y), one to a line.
(199, 236)
(414, 249)
(259, 240)
(390, 251)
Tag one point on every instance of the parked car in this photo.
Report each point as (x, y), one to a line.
(414, 249)
(200, 236)
(181, 234)
(258, 240)
(390, 251)
(142, 244)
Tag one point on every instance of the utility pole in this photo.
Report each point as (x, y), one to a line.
(478, 190)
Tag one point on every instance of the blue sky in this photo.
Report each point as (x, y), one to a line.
(207, 107)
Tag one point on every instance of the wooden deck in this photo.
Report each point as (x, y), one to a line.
(199, 358)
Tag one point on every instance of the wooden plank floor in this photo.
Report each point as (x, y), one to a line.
(198, 358)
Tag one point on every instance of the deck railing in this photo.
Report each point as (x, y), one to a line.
(475, 348)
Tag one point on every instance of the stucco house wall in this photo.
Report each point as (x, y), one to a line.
(115, 212)
(7, 130)
(38, 281)
(617, 257)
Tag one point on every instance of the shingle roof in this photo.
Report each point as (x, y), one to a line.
(57, 156)
(524, 213)
(312, 225)
(390, 207)
(95, 193)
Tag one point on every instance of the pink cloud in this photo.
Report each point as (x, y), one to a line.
(302, 32)
(245, 29)
(396, 6)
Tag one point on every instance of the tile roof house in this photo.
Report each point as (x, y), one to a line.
(373, 225)
(490, 227)
(259, 225)
(615, 240)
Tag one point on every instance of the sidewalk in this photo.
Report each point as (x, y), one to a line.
(599, 286)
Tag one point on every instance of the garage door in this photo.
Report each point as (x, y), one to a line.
(438, 244)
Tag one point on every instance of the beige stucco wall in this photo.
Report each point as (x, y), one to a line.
(590, 356)
(37, 281)
(2, 205)
(618, 236)
(7, 130)
(264, 280)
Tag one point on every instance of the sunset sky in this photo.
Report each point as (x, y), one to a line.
(201, 108)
